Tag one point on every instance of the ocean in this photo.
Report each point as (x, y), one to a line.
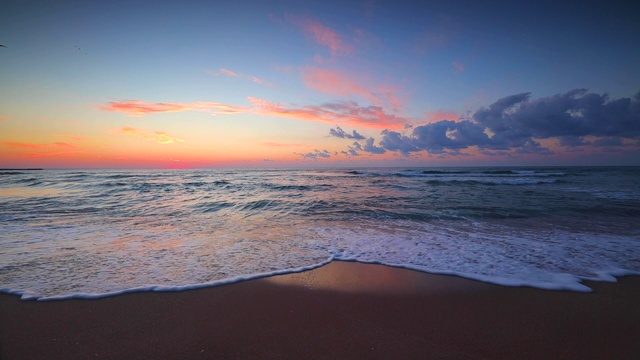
(95, 233)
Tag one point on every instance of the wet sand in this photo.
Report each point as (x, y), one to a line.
(342, 310)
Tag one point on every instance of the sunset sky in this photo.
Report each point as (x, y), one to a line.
(119, 84)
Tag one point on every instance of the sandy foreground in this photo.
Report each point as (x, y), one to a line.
(342, 310)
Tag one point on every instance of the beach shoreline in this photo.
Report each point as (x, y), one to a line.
(340, 310)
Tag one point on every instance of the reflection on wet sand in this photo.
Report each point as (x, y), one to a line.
(357, 277)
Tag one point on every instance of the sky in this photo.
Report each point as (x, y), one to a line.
(254, 84)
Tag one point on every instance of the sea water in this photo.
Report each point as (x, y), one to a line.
(93, 233)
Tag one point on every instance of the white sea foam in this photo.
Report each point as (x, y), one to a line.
(107, 233)
(547, 259)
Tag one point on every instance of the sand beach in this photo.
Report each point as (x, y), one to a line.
(341, 310)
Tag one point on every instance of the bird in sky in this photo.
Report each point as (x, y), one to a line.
(2, 45)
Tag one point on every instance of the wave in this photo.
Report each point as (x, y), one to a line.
(105, 232)
(459, 173)
(195, 183)
(260, 205)
(213, 206)
(492, 181)
(122, 176)
(442, 172)
(288, 187)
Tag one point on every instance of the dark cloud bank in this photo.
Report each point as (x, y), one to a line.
(576, 118)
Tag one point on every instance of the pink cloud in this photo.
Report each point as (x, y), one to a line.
(324, 35)
(390, 94)
(231, 73)
(155, 136)
(342, 113)
(51, 153)
(219, 108)
(20, 145)
(138, 108)
(439, 115)
(335, 82)
(228, 72)
(2, 118)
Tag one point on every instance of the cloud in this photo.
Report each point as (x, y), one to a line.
(344, 112)
(50, 153)
(353, 150)
(338, 83)
(20, 145)
(2, 118)
(324, 35)
(154, 136)
(439, 137)
(442, 115)
(575, 113)
(228, 72)
(394, 141)
(447, 134)
(316, 154)
(514, 123)
(608, 141)
(341, 112)
(572, 141)
(371, 148)
(390, 93)
(138, 107)
(531, 146)
(339, 133)
(333, 82)
(231, 73)
(65, 145)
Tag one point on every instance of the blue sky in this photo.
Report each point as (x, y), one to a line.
(269, 83)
